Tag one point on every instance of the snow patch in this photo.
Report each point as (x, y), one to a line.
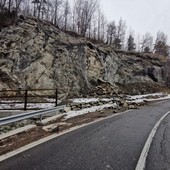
(143, 98)
(88, 100)
(161, 98)
(12, 105)
(72, 114)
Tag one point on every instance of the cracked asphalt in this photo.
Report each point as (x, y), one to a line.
(111, 144)
(159, 155)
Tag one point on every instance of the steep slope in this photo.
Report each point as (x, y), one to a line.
(36, 54)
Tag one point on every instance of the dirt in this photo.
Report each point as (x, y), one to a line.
(141, 88)
(12, 143)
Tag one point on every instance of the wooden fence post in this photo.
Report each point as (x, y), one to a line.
(56, 97)
(25, 102)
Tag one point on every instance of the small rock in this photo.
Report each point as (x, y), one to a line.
(132, 107)
(54, 129)
(38, 123)
(67, 109)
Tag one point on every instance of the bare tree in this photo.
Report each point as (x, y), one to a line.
(147, 43)
(26, 8)
(103, 28)
(17, 5)
(138, 42)
(120, 34)
(57, 15)
(101, 24)
(2, 4)
(84, 17)
(73, 19)
(84, 11)
(93, 30)
(111, 32)
(35, 3)
(99, 15)
(10, 3)
(48, 10)
(66, 14)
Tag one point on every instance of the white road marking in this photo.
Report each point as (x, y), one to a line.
(16, 131)
(36, 143)
(142, 160)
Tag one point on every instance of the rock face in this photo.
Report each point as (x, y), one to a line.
(36, 54)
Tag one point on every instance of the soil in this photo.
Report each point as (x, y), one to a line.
(141, 88)
(12, 143)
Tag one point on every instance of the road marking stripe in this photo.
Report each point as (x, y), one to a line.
(16, 131)
(142, 160)
(36, 143)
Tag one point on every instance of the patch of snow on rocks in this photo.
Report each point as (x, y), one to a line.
(72, 114)
(88, 100)
(142, 98)
(161, 98)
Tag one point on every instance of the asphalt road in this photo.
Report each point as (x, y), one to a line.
(111, 144)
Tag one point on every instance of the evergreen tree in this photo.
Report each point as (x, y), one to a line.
(118, 43)
(147, 50)
(161, 46)
(131, 44)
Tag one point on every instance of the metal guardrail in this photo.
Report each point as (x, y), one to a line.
(23, 116)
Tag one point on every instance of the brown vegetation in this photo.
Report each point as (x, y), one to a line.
(7, 18)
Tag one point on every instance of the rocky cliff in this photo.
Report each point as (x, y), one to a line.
(36, 54)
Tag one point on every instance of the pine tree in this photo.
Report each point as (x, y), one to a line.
(118, 43)
(161, 46)
(147, 50)
(131, 44)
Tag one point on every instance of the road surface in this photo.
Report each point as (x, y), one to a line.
(111, 144)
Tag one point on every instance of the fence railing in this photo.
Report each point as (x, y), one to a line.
(27, 99)
(23, 116)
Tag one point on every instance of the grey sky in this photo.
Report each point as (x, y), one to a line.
(140, 15)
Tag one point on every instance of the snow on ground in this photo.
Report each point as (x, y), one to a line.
(161, 98)
(145, 95)
(40, 105)
(71, 114)
(21, 106)
(85, 100)
(142, 98)
(88, 100)
(12, 104)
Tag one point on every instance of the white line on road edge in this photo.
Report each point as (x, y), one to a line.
(16, 131)
(36, 143)
(142, 160)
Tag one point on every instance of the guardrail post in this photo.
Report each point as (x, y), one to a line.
(25, 102)
(56, 97)
(41, 116)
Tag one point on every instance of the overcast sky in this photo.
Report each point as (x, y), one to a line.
(141, 15)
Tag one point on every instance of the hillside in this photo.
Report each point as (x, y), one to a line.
(36, 54)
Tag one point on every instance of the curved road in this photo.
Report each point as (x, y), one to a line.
(111, 144)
